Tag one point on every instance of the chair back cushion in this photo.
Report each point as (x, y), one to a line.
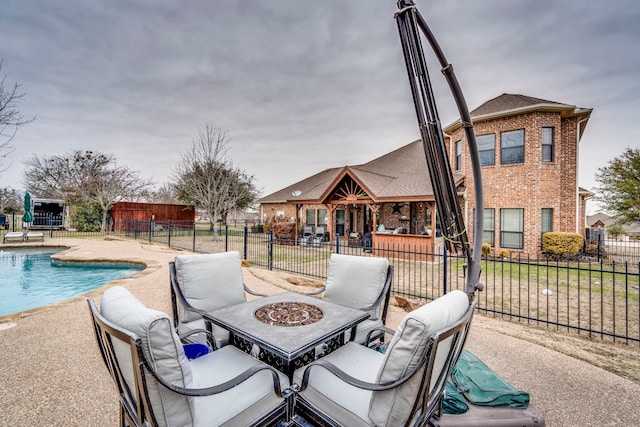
(356, 281)
(410, 344)
(162, 349)
(209, 282)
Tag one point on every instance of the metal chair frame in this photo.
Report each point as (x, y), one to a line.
(426, 408)
(135, 406)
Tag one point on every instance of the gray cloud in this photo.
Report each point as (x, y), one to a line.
(300, 86)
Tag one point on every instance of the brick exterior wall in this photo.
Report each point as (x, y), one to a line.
(532, 185)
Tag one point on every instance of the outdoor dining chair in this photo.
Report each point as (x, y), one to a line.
(202, 283)
(364, 283)
(318, 238)
(159, 386)
(307, 236)
(358, 386)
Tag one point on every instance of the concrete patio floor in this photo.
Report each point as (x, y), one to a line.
(51, 372)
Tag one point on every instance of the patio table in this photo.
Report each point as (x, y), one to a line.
(293, 344)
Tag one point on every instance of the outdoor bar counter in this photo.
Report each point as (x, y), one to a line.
(411, 246)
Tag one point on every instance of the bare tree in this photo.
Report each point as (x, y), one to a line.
(84, 177)
(10, 200)
(10, 118)
(165, 194)
(207, 179)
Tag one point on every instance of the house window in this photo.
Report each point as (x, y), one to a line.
(458, 155)
(489, 227)
(547, 220)
(512, 228)
(512, 147)
(487, 149)
(547, 144)
(311, 217)
(322, 217)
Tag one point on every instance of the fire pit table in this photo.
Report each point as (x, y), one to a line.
(284, 329)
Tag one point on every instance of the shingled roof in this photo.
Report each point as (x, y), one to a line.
(509, 104)
(400, 174)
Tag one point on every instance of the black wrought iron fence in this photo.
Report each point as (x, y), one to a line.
(593, 298)
(611, 250)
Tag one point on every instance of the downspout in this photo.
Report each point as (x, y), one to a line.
(578, 174)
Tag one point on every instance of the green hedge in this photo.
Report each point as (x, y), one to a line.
(561, 244)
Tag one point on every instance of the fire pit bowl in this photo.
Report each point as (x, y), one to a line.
(289, 314)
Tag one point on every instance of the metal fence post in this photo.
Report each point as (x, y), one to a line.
(193, 243)
(245, 239)
(337, 243)
(169, 234)
(150, 225)
(270, 261)
(599, 243)
(445, 273)
(226, 237)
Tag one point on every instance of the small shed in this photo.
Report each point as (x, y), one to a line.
(125, 214)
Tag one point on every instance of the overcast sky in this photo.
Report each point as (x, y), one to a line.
(300, 86)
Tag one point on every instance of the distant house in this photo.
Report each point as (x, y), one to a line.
(529, 155)
(602, 220)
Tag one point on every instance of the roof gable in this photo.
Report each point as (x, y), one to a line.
(509, 102)
(401, 173)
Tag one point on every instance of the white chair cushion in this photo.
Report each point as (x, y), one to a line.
(241, 405)
(221, 335)
(406, 349)
(345, 404)
(209, 282)
(356, 281)
(364, 328)
(162, 349)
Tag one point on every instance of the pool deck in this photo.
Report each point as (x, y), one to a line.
(51, 372)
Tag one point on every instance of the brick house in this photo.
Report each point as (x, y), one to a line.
(529, 154)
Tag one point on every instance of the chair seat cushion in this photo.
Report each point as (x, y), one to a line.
(364, 328)
(221, 335)
(243, 404)
(346, 404)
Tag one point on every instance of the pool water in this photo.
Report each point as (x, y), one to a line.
(29, 278)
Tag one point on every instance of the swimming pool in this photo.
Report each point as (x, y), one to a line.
(29, 278)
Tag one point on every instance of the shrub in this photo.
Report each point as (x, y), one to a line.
(283, 230)
(561, 245)
(503, 253)
(86, 217)
(257, 228)
(486, 249)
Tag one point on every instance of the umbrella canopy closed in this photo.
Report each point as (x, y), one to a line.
(28, 215)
